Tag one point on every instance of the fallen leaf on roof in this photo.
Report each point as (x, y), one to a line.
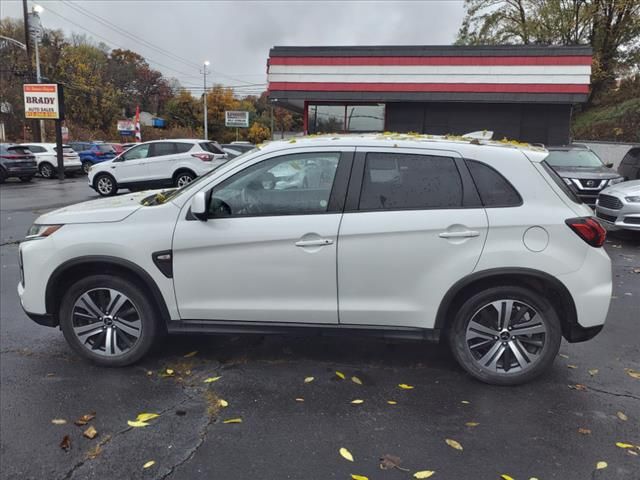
(144, 417)
(309, 379)
(84, 419)
(356, 380)
(150, 463)
(233, 420)
(346, 454)
(340, 375)
(65, 444)
(211, 379)
(622, 416)
(358, 477)
(424, 474)
(472, 424)
(593, 372)
(584, 431)
(135, 424)
(357, 401)
(404, 386)
(90, 432)
(58, 421)
(453, 444)
(191, 354)
(601, 465)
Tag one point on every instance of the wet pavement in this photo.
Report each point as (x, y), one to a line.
(524, 432)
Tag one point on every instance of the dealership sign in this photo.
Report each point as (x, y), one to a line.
(236, 119)
(126, 127)
(41, 101)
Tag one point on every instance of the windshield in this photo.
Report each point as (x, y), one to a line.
(573, 158)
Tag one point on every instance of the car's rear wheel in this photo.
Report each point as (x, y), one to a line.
(105, 185)
(108, 320)
(183, 178)
(505, 335)
(86, 166)
(46, 170)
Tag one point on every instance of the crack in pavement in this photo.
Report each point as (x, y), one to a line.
(615, 394)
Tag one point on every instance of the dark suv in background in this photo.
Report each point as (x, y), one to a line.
(583, 171)
(630, 166)
(17, 161)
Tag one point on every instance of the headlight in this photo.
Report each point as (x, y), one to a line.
(633, 199)
(41, 231)
(613, 181)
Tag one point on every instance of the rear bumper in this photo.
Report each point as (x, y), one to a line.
(21, 171)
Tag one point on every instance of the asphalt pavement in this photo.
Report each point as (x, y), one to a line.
(557, 427)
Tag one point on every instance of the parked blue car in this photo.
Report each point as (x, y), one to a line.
(92, 153)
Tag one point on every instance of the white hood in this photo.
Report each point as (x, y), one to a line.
(111, 209)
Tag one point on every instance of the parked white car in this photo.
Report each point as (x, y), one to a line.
(47, 159)
(481, 244)
(159, 163)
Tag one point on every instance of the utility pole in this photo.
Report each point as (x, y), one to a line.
(204, 99)
(35, 29)
(27, 42)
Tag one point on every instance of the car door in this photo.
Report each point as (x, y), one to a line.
(160, 161)
(268, 251)
(413, 226)
(131, 166)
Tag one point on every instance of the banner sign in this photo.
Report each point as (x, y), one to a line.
(237, 119)
(41, 101)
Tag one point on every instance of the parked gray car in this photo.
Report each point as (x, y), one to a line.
(16, 161)
(583, 171)
(618, 207)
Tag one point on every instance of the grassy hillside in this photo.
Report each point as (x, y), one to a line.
(617, 122)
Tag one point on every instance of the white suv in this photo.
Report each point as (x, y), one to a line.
(479, 243)
(47, 159)
(156, 164)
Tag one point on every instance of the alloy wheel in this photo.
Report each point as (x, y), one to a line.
(105, 185)
(46, 171)
(183, 180)
(506, 336)
(106, 322)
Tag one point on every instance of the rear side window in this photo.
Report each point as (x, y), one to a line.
(494, 189)
(19, 150)
(211, 147)
(162, 149)
(405, 181)
(36, 148)
(183, 147)
(105, 148)
(563, 186)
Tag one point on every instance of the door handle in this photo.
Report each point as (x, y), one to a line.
(463, 234)
(314, 243)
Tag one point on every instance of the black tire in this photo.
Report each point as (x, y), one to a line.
(182, 178)
(86, 166)
(26, 179)
(3, 175)
(148, 333)
(47, 170)
(105, 185)
(541, 357)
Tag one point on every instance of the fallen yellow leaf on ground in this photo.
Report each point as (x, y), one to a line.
(593, 372)
(392, 402)
(223, 403)
(572, 366)
(356, 380)
(299, 399)
(472, 424)
(169, 371)
(632, 373)
(58, 421)
(622, 416)
(309, 379)
(86, 418)
(90, 432)
(584, 431)
(136, 424)
(504, 476)
(340, 375)
(233, 420)
(601, 465)
(424, 474)
(191, 354)
(143, 417)
(357, 401)
(624, 445)
(65, 444)
(466, 402)
(453, 444)
(563, 355)
(346, 454)
(211, 379)
(358, 477)
(93, 453)
(404, 386)
(150, 463)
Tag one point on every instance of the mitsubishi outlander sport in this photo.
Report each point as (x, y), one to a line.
(480, 244)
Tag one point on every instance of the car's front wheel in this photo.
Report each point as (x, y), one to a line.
(86, 166)
(108, 320)
(505, 335)
(105, 184)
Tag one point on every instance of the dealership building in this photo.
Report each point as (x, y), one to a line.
(519, 92)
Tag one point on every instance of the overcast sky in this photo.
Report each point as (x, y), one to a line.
(235, 36)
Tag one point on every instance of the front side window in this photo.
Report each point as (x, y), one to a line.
(289, 185)
(406, 181)
(136, 153)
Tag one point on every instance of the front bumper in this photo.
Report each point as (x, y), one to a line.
(44, 319)
(625, 218)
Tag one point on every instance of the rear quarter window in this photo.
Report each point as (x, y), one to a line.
(494, 189)
(563, 186)
(183, 147)
(211, 147)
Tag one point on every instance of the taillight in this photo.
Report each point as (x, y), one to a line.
(99, 153)
(588, 229)
(205, 157)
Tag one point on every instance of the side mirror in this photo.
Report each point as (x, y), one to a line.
(199, 206)
(609, 165)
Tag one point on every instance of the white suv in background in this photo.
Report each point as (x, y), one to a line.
(478, 243)
(47, 159)
(156, 164)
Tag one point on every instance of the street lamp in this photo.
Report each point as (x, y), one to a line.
(35, 28)
(204, 72)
